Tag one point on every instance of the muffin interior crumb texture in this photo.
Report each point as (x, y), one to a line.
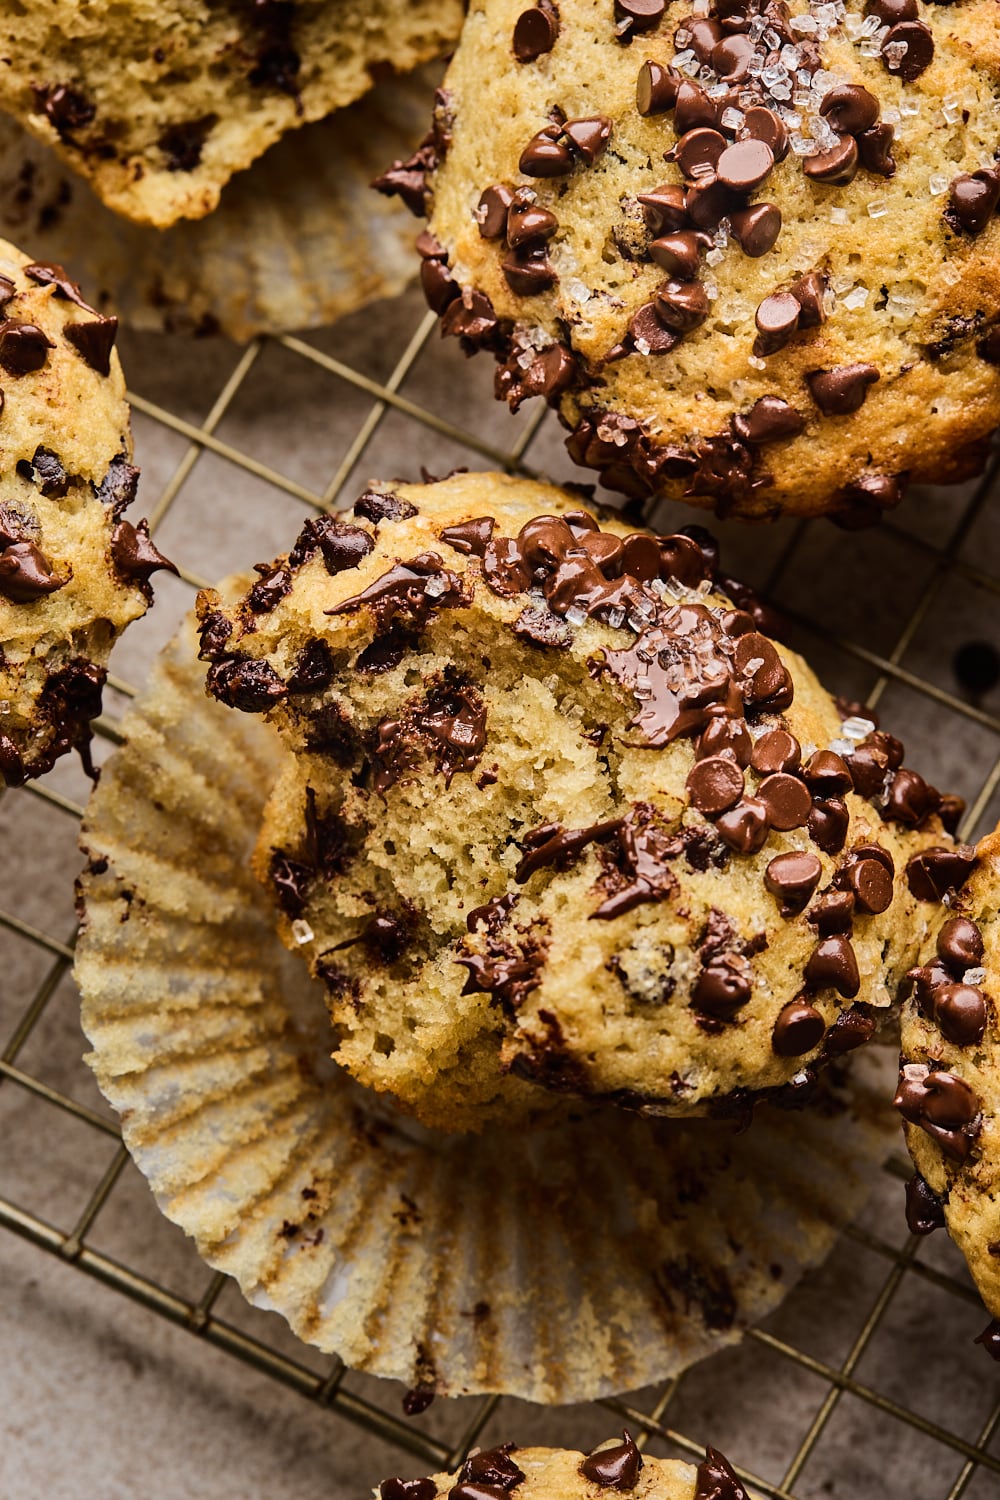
(747, 249)
(558, 812)
(158, 105)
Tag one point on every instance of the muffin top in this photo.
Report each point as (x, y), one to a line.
(747, 249)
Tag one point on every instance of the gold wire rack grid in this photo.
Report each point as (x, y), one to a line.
(880, 614)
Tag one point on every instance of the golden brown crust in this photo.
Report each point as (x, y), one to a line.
(907, 294)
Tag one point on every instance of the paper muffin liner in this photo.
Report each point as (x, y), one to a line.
(298, 240)
(582, 1258)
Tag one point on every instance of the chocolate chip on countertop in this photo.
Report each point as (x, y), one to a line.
(614, 1468)
(535, 31)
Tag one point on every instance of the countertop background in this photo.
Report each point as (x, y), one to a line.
(100, 1397)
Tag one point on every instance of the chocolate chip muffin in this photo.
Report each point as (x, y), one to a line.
(559, 812)
(561, 1474)
(748, 249)
(948, 1082)
(73, 571)
(157, 106)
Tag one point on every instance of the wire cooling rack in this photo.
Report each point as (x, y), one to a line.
(867, 1376)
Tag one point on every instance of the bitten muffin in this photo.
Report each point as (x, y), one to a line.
(561, 1474)
(949, 1082)
(559, 812)
(73, 571)
(158, 105)
(750, 254)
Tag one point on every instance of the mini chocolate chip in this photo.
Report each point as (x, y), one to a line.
(756, 229)
(837, 165)
(546, 155)
(731, 57)
(924, 1209)
(960, 1012)
(641, 15)
(918, 54)
(826, 774)
(851, 1029)
(933, 872)
(798, 1029)
(589, 136)
(960, 945)
(535, 31)
(682, 305)
(656, 89)
(787, 801)
(792, 878)
(491, 213)
(94, 341)
(870, 883)
(744, 165)
(972, 202)
(665, 210)
(890, 12)
(614, 1468)
(809, 292)
(832, 913)
(529, 273)
(680, 253)
(722, 988)
(777, 319)
(724, 734)
(25, 574)
(875, 150)
(715, 784)
(849, 108)
(828, 824)
(407, 1489)
(708, 201)
(647, 325)
(841, 391)
(910, 799)
(833, 964)
(527, 223)
(24, 348)
(744, 827)
(697, 153)
(768, 421)
(763, 124)
(134, 553)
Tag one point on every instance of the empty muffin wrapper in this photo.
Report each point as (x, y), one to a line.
(587, 1257)
(298, 240)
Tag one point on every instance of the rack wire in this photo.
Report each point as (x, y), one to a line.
(930, 576)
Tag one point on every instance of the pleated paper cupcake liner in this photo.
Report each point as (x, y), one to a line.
(298, 240)
(585, 1257)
